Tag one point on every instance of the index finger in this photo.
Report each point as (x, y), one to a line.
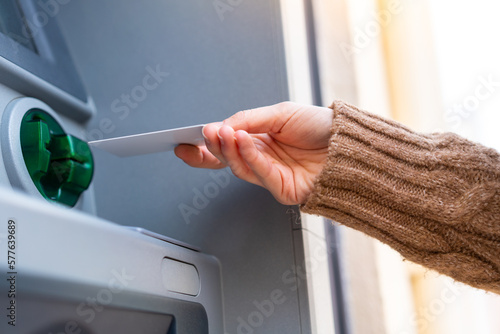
(261, 120)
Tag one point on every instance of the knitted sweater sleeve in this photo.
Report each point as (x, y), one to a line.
(433, 198)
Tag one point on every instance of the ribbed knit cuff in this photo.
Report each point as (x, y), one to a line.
(434, 198)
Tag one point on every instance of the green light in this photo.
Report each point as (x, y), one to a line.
(60, 165)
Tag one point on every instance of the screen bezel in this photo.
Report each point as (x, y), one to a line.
(51, 62)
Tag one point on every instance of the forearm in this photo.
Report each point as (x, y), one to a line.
(434, 198)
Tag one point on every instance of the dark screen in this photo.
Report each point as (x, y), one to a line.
(45, 316)
(14, 24)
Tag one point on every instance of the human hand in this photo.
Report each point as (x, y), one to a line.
(281, 148)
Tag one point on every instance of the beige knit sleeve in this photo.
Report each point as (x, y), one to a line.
(434, 198)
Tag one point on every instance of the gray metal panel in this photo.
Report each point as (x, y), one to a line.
(215, 67)
(58, 248)
(26, 83)
(6, 96)
(301, 283)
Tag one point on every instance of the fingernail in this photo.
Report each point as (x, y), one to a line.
(220, 137)
(205, 137)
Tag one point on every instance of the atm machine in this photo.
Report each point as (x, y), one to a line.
(94, 243)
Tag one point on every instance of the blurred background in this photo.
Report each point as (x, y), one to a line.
(434, 66)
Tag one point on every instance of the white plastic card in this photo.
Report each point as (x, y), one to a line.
(151, 142)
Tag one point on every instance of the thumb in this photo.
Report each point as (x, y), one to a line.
(261, 120)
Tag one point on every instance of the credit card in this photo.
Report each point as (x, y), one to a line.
(151, 142)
